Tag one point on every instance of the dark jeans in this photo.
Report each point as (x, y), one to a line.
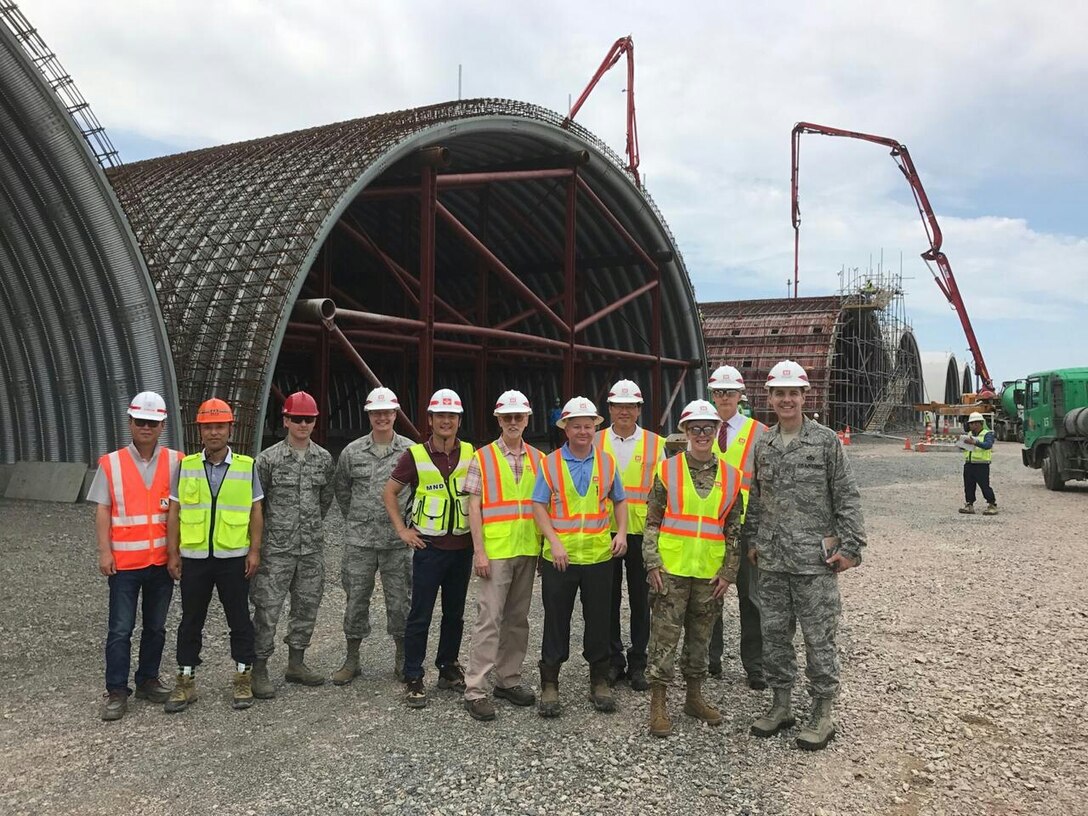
(199, 576)
(977, 474)
(593, 582)
(638, 598)
(125, 587)
(432, 570)
(751, 636)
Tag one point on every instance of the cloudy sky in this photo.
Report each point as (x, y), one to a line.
(988, 96)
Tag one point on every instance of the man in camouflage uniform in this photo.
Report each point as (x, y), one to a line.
(297, 478)
(370, 542)
(691, 556)
(804, 526)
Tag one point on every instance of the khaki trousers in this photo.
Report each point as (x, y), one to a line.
(500, 637)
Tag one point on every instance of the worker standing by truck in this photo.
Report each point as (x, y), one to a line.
(977, 455)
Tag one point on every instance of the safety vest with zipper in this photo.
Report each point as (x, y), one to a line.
(691, 539)
(977, 455)
(215, 525)
(438, 508)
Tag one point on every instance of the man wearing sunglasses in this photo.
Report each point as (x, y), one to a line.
(297, 475)
(132, 491)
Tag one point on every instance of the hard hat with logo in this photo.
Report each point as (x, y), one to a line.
(512, 402)
(787, 374)
(579, 407)
(726, 378)
(213, 410)
(976, 417)
(698, 409)
(147, 405)
(381, 399)
(445, 401)
(625, 392)
(300, 404)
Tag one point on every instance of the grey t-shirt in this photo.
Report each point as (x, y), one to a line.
(99, 491)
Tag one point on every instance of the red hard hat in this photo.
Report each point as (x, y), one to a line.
(214, 410)
(300, 404)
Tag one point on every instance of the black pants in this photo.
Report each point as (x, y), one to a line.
(434, 569)
(593, 582)
(199, 576)
(638, 598)
(751, 636)
(977, 474)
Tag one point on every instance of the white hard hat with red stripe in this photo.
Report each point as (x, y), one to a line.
(445, 401)
(726, 378)
(147, 405)
(625, 392)
(787, 374)
(381, 399)
(579, 407)
(512, 402)
(699, 409)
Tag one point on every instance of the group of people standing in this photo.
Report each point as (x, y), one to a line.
(773, 510)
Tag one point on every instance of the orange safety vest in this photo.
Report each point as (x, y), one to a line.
(642, 467)
(137, 512)
(506, 506)
(741, 455)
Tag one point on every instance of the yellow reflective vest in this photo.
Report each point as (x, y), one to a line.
(506, 504)
(741, 455)
(977, 455)
(692, 539)
(638, 477)
(215, 525)
(581, 522)
(438, 507)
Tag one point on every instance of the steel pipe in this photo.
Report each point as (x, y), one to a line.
(313, 310)
(368, 374)
(618, 304)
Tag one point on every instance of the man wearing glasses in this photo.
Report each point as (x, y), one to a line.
(132, 491)
(297, 475)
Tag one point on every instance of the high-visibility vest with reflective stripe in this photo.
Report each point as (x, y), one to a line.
(506, 505)
(691, 540)
(138, 512)
(637, 477)
(977, 454)
(581, 522)
(741, 455)
(231, 508)
(439, 508)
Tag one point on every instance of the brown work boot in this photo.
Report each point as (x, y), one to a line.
(242, 689)
(299, 672)
(777, 718)
(452, 676)
(968, 509)
(549, 692)
(183, 695)
(695, 706)
(114, 704)
(482, 709)
(350, 670)
(660, 724)
(600, 690)
(153, 691)
(263, 688)
(415, 694)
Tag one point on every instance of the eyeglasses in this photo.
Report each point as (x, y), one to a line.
(302, 420)
(146, 423)
(512, 417)
(701, 430)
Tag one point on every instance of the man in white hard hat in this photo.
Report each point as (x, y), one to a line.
(576, 493)
(977, 456)
(804, 526)
(438, 532)
(506, 546)
(371, 544)
(692, 554)
(130, 483)
(637, 452)
(736, 443)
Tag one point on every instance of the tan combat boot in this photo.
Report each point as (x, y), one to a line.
(778, 717)
(819, 730)
(263, 688)
(242, 689)
(299, 672)
(695, 706)
(183, 695)
(549, 692)
(350, 670)
(991, 510)
(600, 690)
(968, 509)
(660, 724)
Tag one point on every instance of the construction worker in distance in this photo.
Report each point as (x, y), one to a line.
(736, 443)
(976, 465)
(745, 408)
(692, 554)
(576, 493)
(371, 544)
(803, 527)
(438, 532)
(297, 477)
(637, 452)
(214, 534)
(506, 546)
(132, 492)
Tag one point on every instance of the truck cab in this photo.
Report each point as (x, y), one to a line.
(1056, 425)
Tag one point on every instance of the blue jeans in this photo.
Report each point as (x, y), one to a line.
(434, 570)
(125, 587)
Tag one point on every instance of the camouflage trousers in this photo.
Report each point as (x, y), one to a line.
(812, 600)
(303, 576)
(357, 572)
(682, 603)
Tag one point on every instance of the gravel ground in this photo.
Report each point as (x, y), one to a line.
(964, 646)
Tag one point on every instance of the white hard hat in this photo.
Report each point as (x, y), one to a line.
(381, 399)
(512, 402)
(976, 417)
(445, 401)
(147, 405)
(579, 407)
(625, 392)
(726, 378)
(787, 374)
(699, 409)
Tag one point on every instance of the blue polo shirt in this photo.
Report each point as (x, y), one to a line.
(581, 471)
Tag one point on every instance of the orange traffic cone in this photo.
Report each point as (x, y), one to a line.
(846, 437)
(929, 431)
(906, 443)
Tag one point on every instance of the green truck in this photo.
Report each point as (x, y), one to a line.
(1009, 412)
(1056, 425)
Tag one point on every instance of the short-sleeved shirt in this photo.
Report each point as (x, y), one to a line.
(216, 473)
(581, 471)
(405, 473)
(99, 491)
(473, 485)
